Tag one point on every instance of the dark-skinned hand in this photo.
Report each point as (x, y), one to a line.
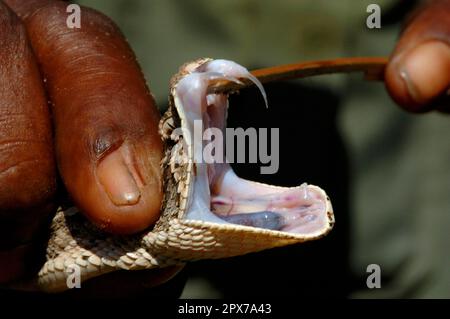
(74, 106)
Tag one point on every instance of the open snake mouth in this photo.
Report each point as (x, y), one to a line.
(218, 194)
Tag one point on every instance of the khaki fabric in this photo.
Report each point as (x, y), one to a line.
(400, 194)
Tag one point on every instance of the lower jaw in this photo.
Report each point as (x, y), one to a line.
(232, 200)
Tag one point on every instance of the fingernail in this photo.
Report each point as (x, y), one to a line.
(117, 180)
(425, 71)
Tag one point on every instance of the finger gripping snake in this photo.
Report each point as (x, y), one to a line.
(190, 227)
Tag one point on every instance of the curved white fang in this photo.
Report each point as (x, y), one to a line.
(232, 69)
(260, 87)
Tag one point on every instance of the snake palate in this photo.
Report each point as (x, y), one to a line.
(207, 212)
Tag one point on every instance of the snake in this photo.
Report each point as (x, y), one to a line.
(207, 211)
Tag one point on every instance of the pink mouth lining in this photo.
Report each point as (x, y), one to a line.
(220, 196)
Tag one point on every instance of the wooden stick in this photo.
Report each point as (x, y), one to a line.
(372, 67)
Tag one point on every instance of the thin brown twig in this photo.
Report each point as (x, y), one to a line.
(372, 67)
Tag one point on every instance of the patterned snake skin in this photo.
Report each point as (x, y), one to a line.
(173, 240)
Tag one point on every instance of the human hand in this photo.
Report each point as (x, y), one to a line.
(105, 142)
(418, 74)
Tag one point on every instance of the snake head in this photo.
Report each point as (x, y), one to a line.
(228, 215)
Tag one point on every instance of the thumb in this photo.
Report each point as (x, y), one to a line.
(418, 74)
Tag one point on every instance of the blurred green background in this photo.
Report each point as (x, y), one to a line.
(399, 168)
